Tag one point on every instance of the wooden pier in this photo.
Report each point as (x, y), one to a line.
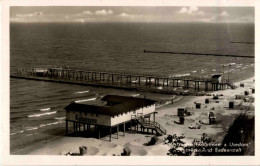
(157, 84)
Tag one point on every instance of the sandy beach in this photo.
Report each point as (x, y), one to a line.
(167, 114)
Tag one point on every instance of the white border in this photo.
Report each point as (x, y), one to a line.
(6, 159)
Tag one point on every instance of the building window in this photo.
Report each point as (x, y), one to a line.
(91, 114)
(96, 115)
(134, 112)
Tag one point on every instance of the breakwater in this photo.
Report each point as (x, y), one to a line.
(193, 53)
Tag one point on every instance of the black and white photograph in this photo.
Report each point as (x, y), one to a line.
(111, 80)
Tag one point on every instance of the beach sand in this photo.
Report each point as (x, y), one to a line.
(166, 116)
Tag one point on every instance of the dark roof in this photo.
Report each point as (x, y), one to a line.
(125, 104)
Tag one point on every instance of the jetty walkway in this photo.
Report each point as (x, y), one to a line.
(185, 85)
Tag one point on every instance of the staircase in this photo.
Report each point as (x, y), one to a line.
(231, 85)
(149, 125)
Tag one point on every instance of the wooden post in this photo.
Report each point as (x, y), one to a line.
(117, 130)
(66, 127)
(98, 132)
(124, 130)
(130, 125)
(74, 127)
(110, 132)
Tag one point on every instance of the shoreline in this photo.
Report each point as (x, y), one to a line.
(166, 115)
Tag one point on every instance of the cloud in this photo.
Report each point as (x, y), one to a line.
(183, 10)
(30, 14)
(124, 15)
(201, 13)
(192, 10)
(87, 12)
(224, 14)
(104, 12)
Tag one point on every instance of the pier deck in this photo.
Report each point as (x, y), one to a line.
(156, 84)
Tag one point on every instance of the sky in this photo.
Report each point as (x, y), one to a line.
(132, 14)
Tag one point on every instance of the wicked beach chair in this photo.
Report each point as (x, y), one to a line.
(212, 118)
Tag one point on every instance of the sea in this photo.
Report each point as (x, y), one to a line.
(37, 108)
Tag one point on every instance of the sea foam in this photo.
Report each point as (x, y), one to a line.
(38, 115)
(84, 100)
(45, 109)
(82, 92)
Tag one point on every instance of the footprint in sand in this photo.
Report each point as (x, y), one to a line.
(92, 151)
(108, 145)
(138, 152)
(189, 120)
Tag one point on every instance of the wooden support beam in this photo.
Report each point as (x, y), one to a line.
(98, 132)
(66, 127)
(110, 134)
(124, 130)
(130, 125)
(117, 131)
(74, 127)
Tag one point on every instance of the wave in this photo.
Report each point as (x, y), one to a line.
(33, 128)
(54, 123)
(82, 92)
(60, 118)
(17, 132)
(135, 95)
(84, 100)
(38, 115)
(45, 109)
(182, 75)
(36, 128)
